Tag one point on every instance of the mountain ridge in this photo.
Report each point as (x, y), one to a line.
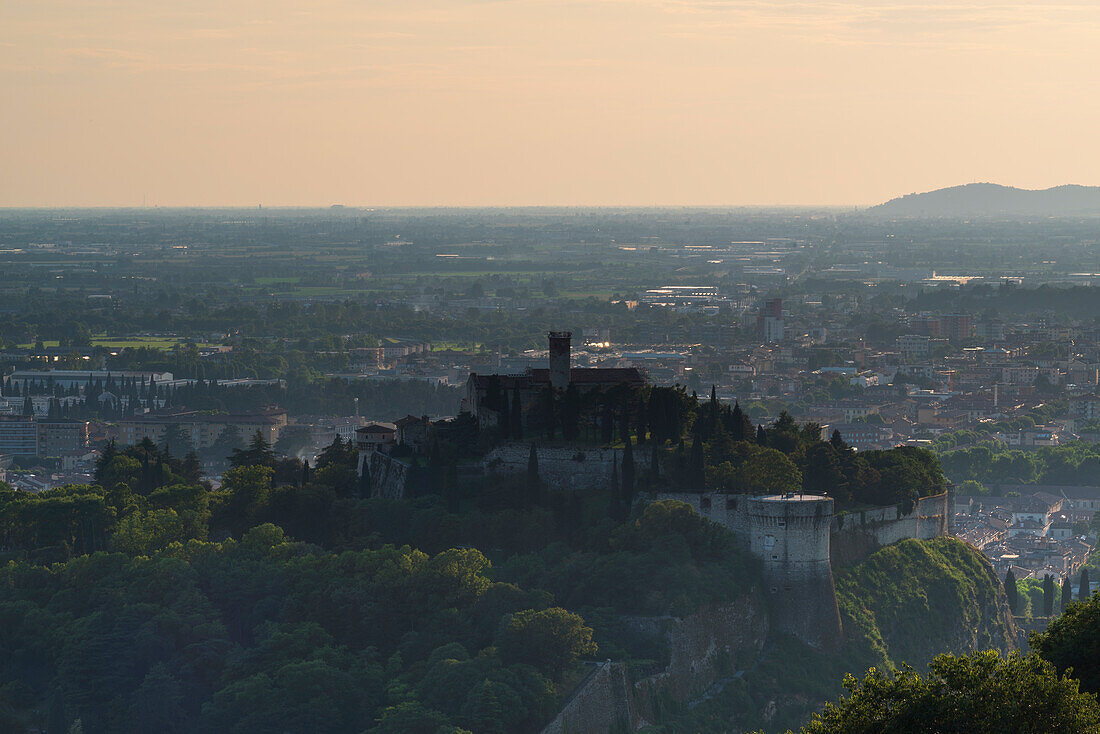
(990, 199)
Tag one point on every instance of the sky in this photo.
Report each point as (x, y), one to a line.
(540, 102)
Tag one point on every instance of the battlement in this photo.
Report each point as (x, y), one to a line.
(797, 537)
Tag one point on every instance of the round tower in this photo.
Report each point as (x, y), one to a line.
(560, 358)
(789, 533)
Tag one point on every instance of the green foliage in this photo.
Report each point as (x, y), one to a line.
(979, 693)
(268, 635)
(1072, 643)
(550, 640)
(1074, 464)
(897, 589)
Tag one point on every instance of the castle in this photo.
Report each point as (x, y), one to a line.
(798, 538)
(491, 398)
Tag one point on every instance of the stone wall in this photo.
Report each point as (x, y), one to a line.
(388, 476)
(603, 700)
(564, 468)
(857, 534)
(701, 646)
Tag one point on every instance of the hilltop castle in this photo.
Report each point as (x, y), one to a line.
(490, 398)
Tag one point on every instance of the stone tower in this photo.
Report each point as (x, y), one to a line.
(560, 358)
(790, 534)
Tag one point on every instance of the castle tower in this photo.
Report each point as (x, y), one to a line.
(790, 534)
(560, 358)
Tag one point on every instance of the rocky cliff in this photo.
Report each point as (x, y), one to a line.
(906, 602)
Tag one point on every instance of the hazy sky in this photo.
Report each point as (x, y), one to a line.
(468, 102)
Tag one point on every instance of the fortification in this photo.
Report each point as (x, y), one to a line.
(790, 534)
(560, 358)
(798, 538)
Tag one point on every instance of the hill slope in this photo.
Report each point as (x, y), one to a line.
(905, 603)
(994, 200)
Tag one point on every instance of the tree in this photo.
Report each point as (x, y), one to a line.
(740, 424)
(516, 417)
(628, 488)
(175, 441)
(616, 504)
(550, 640)
(191, 469)
(258, 453)
(570, 413)
(1083, 591)
(504, 417)
(28, 406)
(654, 465)
(1012, 592)
(980, 693)
(696, 473)
(838, 441)
(1067, 593)
(533, 483)
(768, 471)
(1048, 595)
(1071, 641)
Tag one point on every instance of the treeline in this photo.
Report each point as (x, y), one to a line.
(130, 606)
(727, 454)
(989, 464)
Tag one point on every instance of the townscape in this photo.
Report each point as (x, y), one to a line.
(765, 406)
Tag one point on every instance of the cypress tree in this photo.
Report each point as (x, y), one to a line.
(452, 488)
(504, 417)
(712, 413)
(615, 504)
(654, 466)
(533, 482)
(28, 406)
(1048, 595)
(696, 472)
(737, 423)
(305, 471)
(517, 416)
(1067, 593)
(761, 435)
(628, 477)
(1012, 592)
(364, 479)
(1083, 590)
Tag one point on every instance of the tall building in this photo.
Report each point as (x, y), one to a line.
(560, 357)
(18, 435)
(770, 321)
(957, 326)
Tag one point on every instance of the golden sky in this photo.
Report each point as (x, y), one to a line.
(561, 102)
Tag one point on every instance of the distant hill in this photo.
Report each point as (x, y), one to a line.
(994, 200)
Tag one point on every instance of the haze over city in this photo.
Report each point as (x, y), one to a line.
(529, 102)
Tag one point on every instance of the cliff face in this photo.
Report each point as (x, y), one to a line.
(913, 600)
(711, 644)
(705, 649)
(907, 602)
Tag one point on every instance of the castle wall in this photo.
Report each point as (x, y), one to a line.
(854, 535)
(857, 534)
(388, 476)
(564, 468)
(603, 701)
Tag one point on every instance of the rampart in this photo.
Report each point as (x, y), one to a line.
(563, 468)
(388, 476)
(858, 534)
(603, 701)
